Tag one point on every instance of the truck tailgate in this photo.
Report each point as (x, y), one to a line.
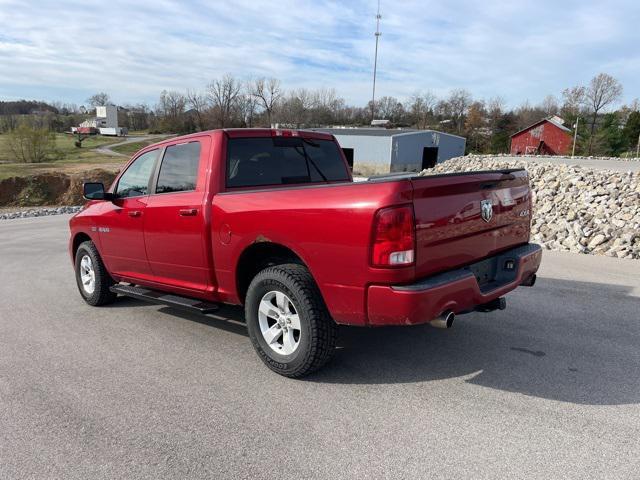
(451, 229)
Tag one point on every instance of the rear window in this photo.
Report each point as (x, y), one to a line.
(179, 168)
(283, 160)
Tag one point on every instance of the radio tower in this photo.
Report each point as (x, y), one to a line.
(375, 63)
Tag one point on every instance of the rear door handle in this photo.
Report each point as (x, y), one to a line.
(188, 212)
(135, 213)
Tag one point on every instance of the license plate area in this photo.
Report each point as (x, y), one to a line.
(494, 272)
(484, 271)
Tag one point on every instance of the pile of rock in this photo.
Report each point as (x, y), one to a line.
(576, 209)
(38, 212)
(576, 159)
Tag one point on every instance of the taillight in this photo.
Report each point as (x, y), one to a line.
(393, 237)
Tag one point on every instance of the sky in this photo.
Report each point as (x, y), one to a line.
(517, 50)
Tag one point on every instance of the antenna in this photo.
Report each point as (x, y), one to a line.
(375, 63)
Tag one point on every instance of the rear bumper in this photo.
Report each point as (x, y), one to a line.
(457, 290)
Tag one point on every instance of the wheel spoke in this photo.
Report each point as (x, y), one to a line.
(288, 342)
(281, 301)
(87, 275)
(283, 336)
(268, 309)
(295, 321)
(272, 334)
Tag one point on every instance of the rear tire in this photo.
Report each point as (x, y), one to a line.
(92, 277)
(288, 322)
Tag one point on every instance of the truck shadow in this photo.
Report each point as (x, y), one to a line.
(562, 340)
(569, 341)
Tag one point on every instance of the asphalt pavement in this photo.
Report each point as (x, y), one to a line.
(548, 388)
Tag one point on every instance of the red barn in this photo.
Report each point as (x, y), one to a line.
(547, 137)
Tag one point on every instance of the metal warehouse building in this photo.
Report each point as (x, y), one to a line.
(376, 150)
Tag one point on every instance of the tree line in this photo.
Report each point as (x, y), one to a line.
(261, 102)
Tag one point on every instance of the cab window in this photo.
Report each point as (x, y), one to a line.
(134, 182)
(179, 168)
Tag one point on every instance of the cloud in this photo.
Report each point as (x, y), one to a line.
(518, 50)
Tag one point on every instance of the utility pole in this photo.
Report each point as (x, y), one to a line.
(638, 147)
(575, 135)
(375, 64)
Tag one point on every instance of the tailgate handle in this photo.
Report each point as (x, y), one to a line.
(507, 176)
(188, 212)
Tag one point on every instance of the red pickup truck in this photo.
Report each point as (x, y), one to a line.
(273, 220)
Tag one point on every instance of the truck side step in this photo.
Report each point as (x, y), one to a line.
(154, 296)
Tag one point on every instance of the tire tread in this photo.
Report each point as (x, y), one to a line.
(324, 331)
(102, 295)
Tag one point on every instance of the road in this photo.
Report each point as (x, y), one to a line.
(597, 164)
(548, 388)
(107, 149)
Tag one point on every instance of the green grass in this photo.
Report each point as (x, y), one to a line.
(133, 147)
(65, 146)
(68, 157)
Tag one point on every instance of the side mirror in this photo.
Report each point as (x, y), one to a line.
(95, 191)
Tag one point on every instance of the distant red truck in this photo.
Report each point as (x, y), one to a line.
(272, 219)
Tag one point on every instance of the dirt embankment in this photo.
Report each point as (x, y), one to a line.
(50, 188)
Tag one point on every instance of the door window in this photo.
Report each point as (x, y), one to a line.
(179, 169)
(134, 181)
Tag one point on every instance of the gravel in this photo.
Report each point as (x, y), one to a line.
(576, 209)
(553, 157)
(38, 212)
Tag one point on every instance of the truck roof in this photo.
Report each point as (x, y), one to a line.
(250, 132)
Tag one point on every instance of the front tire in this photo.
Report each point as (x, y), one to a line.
(288, 322)
(92, 277)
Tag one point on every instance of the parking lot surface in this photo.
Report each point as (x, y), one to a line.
(548, 388)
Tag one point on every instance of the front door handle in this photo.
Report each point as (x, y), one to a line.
(188, 212)
(135, 213)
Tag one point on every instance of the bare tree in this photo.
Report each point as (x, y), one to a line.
(458, 103)
(603, 91)
(390, 108)
(326, 103)
(527, 115)
(198, 103)
(495, 108)
(99, 99)
(573, 100)
(171, 108)
(475, 124)
(420, 106)
(172, 103)
(223, 94)
(550, 105)
(247, 107)
(138, 116)
(296, 108)
(268, 93)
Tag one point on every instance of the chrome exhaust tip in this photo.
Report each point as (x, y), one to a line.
(445, 320)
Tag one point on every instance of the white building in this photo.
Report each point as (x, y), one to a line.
(106, 121)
